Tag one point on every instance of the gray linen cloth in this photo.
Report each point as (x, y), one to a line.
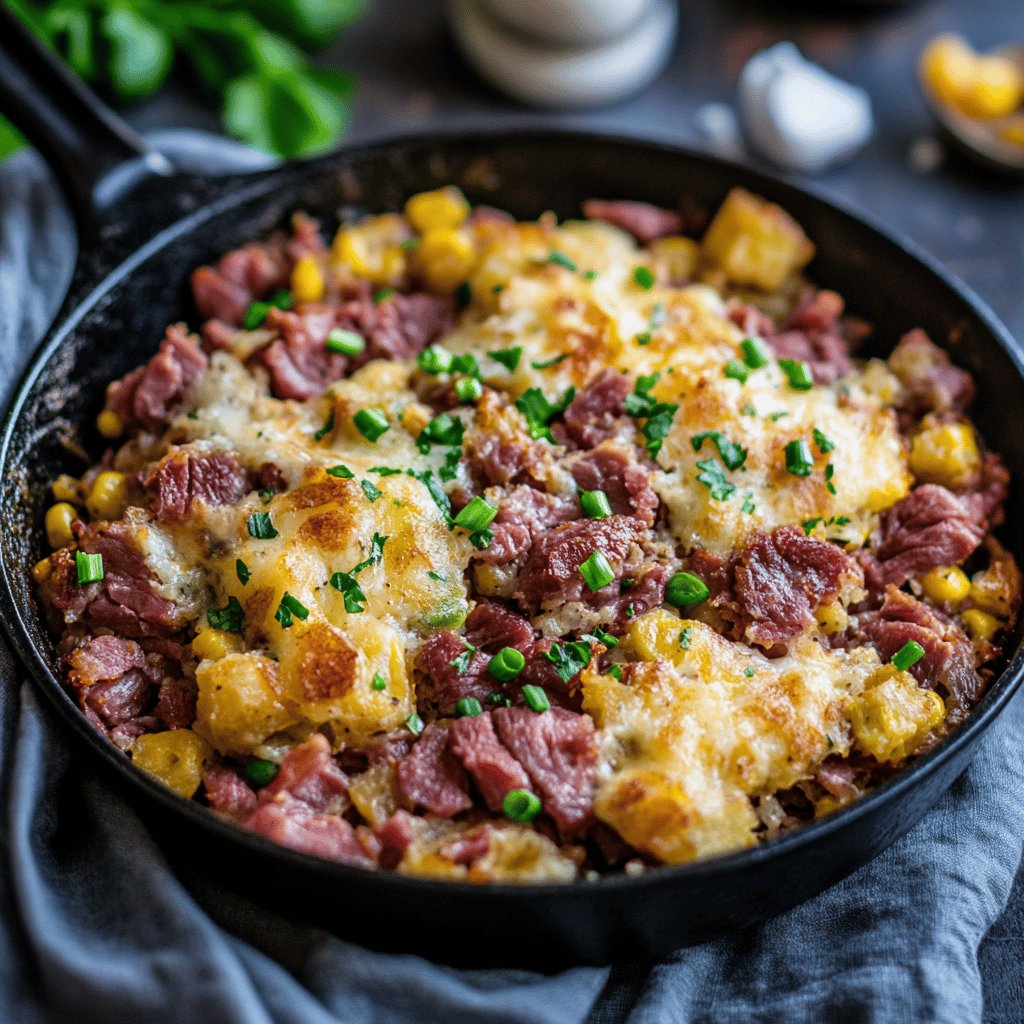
(94, 926)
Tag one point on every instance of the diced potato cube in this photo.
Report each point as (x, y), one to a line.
(175, 758)
(373, 793)
(756, 242)
(893, 715)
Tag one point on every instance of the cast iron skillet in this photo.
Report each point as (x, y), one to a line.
(144, 227)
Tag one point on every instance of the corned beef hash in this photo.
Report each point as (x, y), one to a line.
(525, 551)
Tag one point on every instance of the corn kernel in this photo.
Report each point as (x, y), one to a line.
(67, 488)
(443, 208)
(373, 248)
(41, 570)
(59, 518)
(946, 454)
(832, 618)
(108, 495)
(947, 66)
(946, 583)
(213, 644)
(995, 89)
(980, 625)
(444, 259)
(176, 758)
(109, 424)
(307, 280)
(678, 255)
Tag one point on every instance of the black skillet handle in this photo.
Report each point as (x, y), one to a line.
(97, 157)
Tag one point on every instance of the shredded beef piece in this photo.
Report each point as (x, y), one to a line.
(524, 513)
(468, 848)
(270, 476)
(491, 627)
(553, 569)
(499, 451)
(404, 325)
(614, 470)
(985, 496)
(837, 777)
(125, 600)
(394, 836)
(306, 239)
(494, 770)
(152, 394)
(429, 777)
(293, 824)
(309, 774)
(948, 654)
(118, 701)
(101, 658)
(646, 592)
(928, 528)
(181, 480)
(227, 792)
(558, 749)
(176, 703)
(644, 221)
(217, 334)
(597, 413)
(931, 383)
(241, 276)
(781, 578)
(299, 363)
(445, 684)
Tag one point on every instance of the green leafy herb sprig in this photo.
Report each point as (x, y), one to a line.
(251, 54)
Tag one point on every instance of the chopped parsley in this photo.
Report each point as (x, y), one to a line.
(508, 357)
(732, 454)
(569, 659)
(776, 416)
(830, 471)
(385, 471)
(378, 683)
(450, 469)
(464, 295)
(229, 618)
(437, 576)
(260, 526)
(748, 672)
(548, 363)
(461, 661)
(351, 592)
(615, 671)
(657, 319)
(539, 411)
(560, 259)
(686, 638)
(326, 428)
(824, 444)
(712, 476)
(641, 404)
(242, 571)
(445, 429)
(437, 492)
(341, 472)
(371, 491)
(290, 606)
(266, 494)
(748, 505)
(590, 275)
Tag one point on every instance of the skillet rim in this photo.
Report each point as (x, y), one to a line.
(251, 187)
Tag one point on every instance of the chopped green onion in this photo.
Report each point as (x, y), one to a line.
(798, 373)
(378, 682)
(643, 277)
(560, 259)
(260, 526)
(88, 568)
(508, 357)
(737, 370)
(414, 724)
(799, 460)
(371, 422)
(477, 515)
(346, 343)
(383, 294)
(466, 364)
(615, 671)
(596, 571)
(506, 664)
(602, 637)
(468, 389)
(713, 477)
(255, 315)
(242, 571)
(444, 429)
(260, 772)
(229, 618)
(385, 471)
(755, 352)
(824, 444)
(595, 504)
(288, 607)
(539, 411)
(326, 428)
(685, 590)
(435, 359)
(521, 805)
(536, 699)
(468, 707)
(909, 654)
(342, 472)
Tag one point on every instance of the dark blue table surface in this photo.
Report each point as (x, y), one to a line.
(411, 79)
